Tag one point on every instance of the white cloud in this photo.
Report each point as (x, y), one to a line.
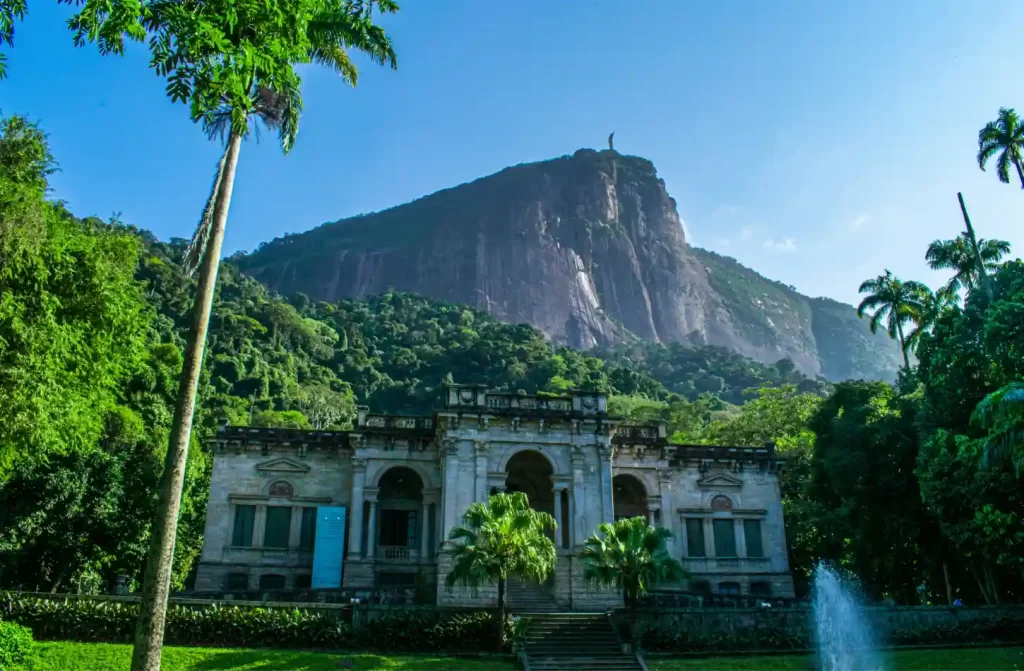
(726, 211)
(787, 245)
(746, 233)
(859, 222)
(723, 242)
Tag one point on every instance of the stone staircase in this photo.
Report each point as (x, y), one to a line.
(557, 641)
(529, 597)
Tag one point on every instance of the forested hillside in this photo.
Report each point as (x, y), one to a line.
(93, 316)
(899, 484)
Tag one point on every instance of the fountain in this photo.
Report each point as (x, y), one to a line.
(844, 640)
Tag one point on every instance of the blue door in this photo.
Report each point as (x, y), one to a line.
(329, 547)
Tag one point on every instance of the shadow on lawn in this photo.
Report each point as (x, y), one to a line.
(265, 660)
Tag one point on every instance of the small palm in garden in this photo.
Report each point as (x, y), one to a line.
(631, 556)
(500, 539)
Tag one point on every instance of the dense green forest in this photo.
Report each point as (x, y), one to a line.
(898, 484)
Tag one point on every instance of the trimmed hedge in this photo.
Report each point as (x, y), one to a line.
(245, 626)
(15, 644)
(660, 639)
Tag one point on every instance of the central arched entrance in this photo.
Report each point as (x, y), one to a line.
(629, 498)
(530, 472)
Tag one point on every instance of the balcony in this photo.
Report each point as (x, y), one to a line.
(397, 554)
(726, 564)
(258, 556)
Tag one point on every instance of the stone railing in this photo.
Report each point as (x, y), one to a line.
(726, 564)
(397, 553)
(268, 556)
(396, 423)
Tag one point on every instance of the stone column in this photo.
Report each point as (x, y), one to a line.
(668, 518)
(559, 488)
(578, 511)
(295, 530)
(355, 539)
(259, 526)
(480, 452)
(371, 531)
(604, 452)
(741, 537)
(424, 528)
(450, 493)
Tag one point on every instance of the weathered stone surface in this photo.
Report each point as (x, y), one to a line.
(589, 249)
(582, 462)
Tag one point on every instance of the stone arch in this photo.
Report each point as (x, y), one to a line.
(399, 523)
(530, 471)
(381, 469)
(539, 449)
(276, 488)
(629, 496)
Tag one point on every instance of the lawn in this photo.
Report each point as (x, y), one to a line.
(106, 657)
(66, 656)
(961, 659)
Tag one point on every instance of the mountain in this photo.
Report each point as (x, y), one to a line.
(589, 249)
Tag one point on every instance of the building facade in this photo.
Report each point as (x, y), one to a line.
(400, 484)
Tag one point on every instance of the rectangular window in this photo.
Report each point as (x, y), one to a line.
(279, 527)
(731, 588)
(701, 587)
(242, 535)
(308, 531)
(695, 538)
(752, 533)
(271, 581)
(760, 589)
(237, 582)
(725, 538)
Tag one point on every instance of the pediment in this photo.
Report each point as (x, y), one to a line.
(282, 465)
(720, 481)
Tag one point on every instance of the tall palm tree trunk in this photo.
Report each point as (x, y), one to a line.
(501, 613)
(1020, 173)
(149, 630)
(903, 344)
(982, 274)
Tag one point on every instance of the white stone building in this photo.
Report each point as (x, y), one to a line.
(406, 481)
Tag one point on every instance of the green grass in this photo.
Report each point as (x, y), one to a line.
(962, 659)
(106, 657)
(65, 656)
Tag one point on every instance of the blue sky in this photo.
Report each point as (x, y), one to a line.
(817, 142)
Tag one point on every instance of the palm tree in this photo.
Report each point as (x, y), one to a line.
(1001, 413)
(894, 301)
(1004, 136)
(958, 255)
(631, 556)
(233, 62)
(499, 539)
(933, 305)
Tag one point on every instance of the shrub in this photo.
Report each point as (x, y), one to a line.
(15, 644)
(245, 626)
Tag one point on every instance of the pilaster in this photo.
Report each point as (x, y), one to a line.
(355, 542)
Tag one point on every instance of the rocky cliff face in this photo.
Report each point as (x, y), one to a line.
(589, 249)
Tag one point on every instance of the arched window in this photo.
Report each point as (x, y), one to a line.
(282, 489)
(721, 503)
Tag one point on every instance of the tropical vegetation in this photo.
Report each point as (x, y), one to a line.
(1005, 137)
(498, 540)
(630, 556)
(233, 63)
